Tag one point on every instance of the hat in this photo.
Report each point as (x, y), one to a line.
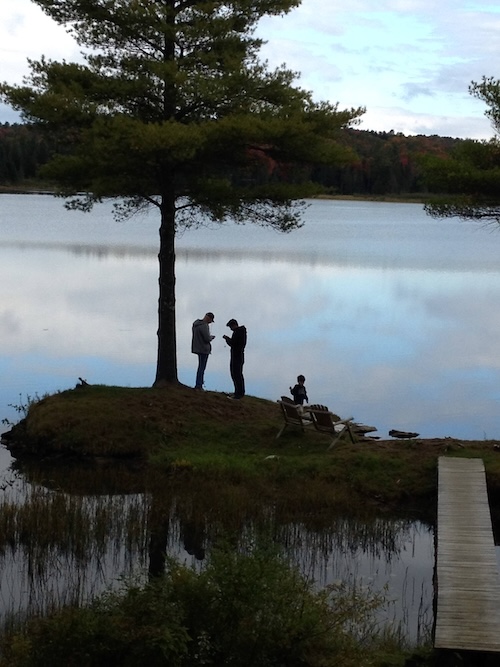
(211, 316)
(232, 323)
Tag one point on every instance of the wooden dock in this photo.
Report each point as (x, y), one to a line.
(468, 585)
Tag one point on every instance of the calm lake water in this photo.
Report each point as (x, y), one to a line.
(390, 315)
(72, 545)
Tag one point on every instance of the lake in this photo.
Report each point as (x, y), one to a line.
(68, 534)
(389, 314)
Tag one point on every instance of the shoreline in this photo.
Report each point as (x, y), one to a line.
(405, 198)
(177, 433)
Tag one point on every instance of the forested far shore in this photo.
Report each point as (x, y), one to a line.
(382, 163)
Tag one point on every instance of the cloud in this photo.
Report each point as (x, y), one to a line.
(404, 54)
(26, 32)
(412, 90)
(399, 119)
(8, 115)
(407, 51)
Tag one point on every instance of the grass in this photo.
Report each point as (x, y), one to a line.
(182, 433)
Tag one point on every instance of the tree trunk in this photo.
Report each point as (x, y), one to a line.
(166, 367)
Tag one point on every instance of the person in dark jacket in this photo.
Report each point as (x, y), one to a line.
(237, 344)
(201, 345)
(299, 391)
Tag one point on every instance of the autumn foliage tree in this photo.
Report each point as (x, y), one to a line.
(172, 108)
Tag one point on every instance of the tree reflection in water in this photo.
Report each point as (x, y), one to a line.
(63, 540)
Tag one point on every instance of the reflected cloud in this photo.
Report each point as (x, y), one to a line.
(388, 314)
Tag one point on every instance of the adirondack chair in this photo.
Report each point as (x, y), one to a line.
(293, 416)
(325, 421)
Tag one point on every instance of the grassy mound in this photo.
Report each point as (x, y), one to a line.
(178, 430)
(97, 420)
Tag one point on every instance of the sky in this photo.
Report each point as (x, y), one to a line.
(408, 62)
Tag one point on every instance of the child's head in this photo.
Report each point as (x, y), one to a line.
(301, 379)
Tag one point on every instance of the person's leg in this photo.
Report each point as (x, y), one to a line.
(242, 379)
(237, 375)
(202, 364)
(233, 374)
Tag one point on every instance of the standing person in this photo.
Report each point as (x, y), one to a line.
(237, 344)
(201, 345)
(299, 391)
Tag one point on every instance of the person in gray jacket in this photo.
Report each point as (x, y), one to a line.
(201, 345)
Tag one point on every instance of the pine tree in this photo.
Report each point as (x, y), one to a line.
(172, 108)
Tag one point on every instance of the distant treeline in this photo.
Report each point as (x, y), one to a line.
(387, 163)
(22, 151)
(384, 163)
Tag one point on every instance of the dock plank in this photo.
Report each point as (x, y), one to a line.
(468, 584)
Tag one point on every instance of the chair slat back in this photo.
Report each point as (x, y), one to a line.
(322, 421)
(286, 399)
(291, 413)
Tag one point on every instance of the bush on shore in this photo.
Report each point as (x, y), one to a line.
(246, 608)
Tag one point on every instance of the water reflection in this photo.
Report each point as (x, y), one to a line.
(387, 313)
(392, 557)
(58, 546)
(390, 316)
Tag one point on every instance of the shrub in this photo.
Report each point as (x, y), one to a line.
(246, 608)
